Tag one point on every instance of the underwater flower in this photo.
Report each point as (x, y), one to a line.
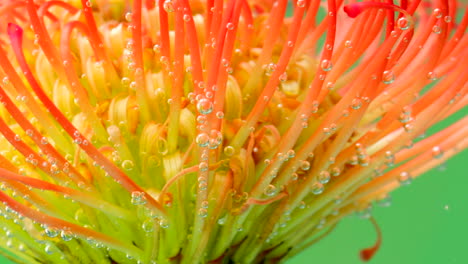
(197, 131)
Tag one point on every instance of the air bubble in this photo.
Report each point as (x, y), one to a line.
(388, 77)
(270, 190)
(335, 172)
(305, 165)
(168, 6)
(324, 177)
(220, 115)
(404, 178)
(229, 151)
(230, 26)
(317, 188)
(204, 106)
(203, 166)
(128, 17)
(163, 223)
(356, 103)
(138, 198)
(348, 44)
(203, 213)
(437, 152)
(432, 76)
(403, 23)
(51, 232)
(437, 13)
(66, 235)
(148, 225)
(128, 165)
(326, 65)
(270, 68)
(283, 77)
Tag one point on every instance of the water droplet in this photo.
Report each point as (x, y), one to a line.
(270, 68)
(432, 76)
(305, 165)
(49, 249)
(168, 6)
(348, 44)
(283, 77)
(389, 158)
(148, 225)
(187, 17)
(203, 166)
(204, 106)
(329, 85)
(216, 138)
(222, 220)
(51, 232)
(388, 77)
(437, 152)
(317, 188)
(66, 235)
(356, 103)
(326, 65)
(270, 190)
(324, 177)
(128, 165)
(403, 23)
(44, 141)
(229, 151)
(408, 127)
(157, 48)
(436, 29)
(203, 212)
(163, 223)
(302, 205)
(404, 178)
(448, 19)
(230, 26)
(437, 13)
(335, 172)
(301, 3)
(138, 198)
(220, 115)
(128, 16)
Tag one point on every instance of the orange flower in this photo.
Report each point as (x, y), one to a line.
(216, 131)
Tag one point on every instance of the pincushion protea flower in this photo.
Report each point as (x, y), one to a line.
(215, 131)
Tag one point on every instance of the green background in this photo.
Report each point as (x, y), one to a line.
(426, 223)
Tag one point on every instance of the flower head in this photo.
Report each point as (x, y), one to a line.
(206, 131)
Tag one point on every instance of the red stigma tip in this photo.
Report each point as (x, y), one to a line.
(14, 29)
(367, 253)
(353, 10)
